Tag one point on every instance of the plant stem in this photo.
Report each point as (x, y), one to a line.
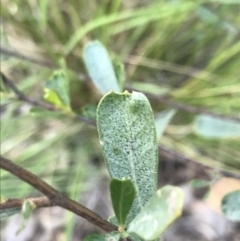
(39, 202)
(17, 55)
(55, 197)
(23, 97)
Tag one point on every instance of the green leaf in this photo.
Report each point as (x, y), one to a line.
(57, 90)
(162, 120)
(206, 15)
(197, 183)
(27, 209)
(134, 237)
(113, 236)
(162, 209)
(90, 111)
(212, 127)
(113, 220)
(8, 212)
(128, 138)
(100, 67)
(231, 205)
(122, 196)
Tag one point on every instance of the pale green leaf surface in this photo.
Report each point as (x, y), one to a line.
(162, 120)
(122, 196)
(161, 210)
(113, 220)
(128, 137)
(100, 67)
(113, 236)
(134, 237)
(231, 205)
(213, 127)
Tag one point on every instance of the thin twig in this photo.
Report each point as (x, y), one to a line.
(39, 202)
(86, 120)
(23, 97)
(43, 63)
(185, 159)
(55, 196)
(195, 110)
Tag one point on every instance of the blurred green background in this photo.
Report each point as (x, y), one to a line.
(188, 49)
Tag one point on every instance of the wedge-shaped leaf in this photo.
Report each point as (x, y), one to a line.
(57, 90)
(162, 209)
(122, 196)
(113, 236)
(27, 209)
(8, 212)
(162, 120)
(213, 127)
(231, 205)
(128, 137)
(100, 67)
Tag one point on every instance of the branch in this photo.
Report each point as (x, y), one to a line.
(55, 197)
(39, 202)
(43, 63)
